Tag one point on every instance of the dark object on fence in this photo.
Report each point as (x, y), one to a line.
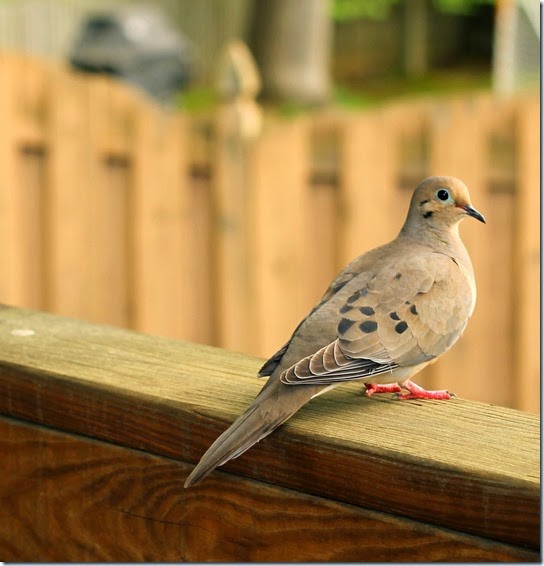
(138, 45)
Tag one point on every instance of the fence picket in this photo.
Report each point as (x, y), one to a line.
(368, 184)
(280, 189)
(69, 180)
(157, 230)
(526, 266)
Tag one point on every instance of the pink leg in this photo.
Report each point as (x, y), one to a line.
(414, 391)
(417, 392)
(372, 388)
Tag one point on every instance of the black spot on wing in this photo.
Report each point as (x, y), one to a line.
(368, 326)
(413, 309)
(345, 309)
(394, 315)
(368, 311)
(357, 295)
(353, 298)
(398, 276)
(401, 327)
(344, 325)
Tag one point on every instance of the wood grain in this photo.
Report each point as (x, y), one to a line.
(461, 465)
(65, 499)
(68, 498)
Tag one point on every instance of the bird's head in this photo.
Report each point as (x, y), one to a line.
(441, 203)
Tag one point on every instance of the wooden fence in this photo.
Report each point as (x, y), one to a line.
(101, 426)
(115, 211)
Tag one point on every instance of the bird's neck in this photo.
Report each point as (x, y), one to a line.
(441, 238)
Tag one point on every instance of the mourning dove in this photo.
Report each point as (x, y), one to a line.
(388, 314)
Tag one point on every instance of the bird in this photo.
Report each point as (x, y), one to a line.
(389, 313)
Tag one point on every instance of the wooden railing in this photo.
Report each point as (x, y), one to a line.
(119, 212)
(100, 426)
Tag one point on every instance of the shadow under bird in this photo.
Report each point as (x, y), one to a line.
(387, 315)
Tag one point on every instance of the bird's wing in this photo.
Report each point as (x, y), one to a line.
(406, 314)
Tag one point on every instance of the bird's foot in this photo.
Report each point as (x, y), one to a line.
(372, 388)
(417, 392)
(414, 391)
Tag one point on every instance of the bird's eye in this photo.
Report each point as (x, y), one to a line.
(443, 194)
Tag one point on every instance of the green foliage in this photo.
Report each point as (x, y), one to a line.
(347, 10)
(197, 99)
(351, 98)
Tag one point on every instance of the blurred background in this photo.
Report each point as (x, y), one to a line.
(201, 170)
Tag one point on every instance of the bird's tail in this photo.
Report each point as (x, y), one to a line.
(269, 410)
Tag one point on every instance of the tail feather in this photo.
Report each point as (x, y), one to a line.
(269, 410)
(231, 444)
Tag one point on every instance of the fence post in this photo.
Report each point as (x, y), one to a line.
(238, 124)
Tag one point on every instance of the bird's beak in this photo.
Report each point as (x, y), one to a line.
(474, 213)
